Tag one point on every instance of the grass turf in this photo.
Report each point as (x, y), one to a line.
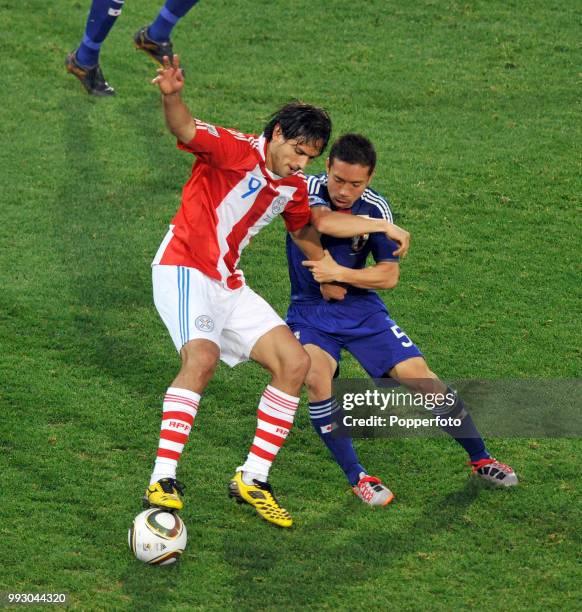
(473, 109)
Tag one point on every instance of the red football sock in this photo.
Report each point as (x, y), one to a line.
(274, 420)
(180, 407)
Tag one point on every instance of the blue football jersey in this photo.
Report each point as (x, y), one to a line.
(348, 252)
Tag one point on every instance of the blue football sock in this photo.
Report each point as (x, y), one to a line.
(171, 13)
(323, 416)
(466, 434)
(102, 16)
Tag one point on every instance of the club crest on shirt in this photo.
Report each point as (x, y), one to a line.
(204, 323)
(278, 205)
(359, 242)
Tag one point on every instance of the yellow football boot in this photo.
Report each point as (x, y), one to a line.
(165, 494)
(260, 496)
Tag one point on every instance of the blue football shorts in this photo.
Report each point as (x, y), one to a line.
(372, 337)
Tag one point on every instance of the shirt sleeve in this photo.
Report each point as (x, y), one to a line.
(314, 192)
(217, 146)
(297, 213)
(315, 200)
(382, 247)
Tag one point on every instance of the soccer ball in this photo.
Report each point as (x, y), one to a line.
(157, 537)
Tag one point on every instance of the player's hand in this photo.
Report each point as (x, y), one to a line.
(170, 78)
(326, 270)
(331, 291)
(401, 236)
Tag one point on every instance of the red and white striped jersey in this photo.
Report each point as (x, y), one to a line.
(229, 198)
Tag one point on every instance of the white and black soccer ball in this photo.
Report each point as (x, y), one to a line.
(157, 537)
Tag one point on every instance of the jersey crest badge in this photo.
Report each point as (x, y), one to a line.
(279, 205)
(359, 242)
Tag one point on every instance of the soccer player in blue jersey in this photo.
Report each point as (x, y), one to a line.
(154, 39)
(360, 322)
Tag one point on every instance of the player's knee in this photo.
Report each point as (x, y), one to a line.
(414, 371)
(296, 366)
(418, 369)
(317, 383)
(201, 358)
(303, 363)
(415, 374)
(311, 380)
(421, 380)
(426, 386)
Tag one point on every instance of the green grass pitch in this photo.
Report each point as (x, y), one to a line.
(475, 110)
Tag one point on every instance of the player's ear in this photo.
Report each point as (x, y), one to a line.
(327, 165)
(371, 176)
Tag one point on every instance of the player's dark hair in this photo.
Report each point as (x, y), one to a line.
(304, 122)
(354, 149)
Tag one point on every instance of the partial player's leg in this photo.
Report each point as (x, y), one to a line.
(155, 38)
(392, 353)
(324, 412)
(199, 359)
(415, 374)
(84, 61)
(184, 298)
(279, 352)
(255, 331)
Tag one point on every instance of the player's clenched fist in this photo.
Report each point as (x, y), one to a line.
(170, 78)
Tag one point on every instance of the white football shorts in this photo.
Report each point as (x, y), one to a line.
(193, 306)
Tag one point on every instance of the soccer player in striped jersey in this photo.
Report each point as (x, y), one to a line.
(360, 322)
(239, 184)
(154, 40)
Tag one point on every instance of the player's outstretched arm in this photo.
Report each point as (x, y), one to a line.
(383, 275)
(340, 225)
(170, 80)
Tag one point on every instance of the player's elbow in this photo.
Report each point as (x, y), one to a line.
(318, 223)
(391, 280)
(184, 132)
(184, 135)
(322, 223)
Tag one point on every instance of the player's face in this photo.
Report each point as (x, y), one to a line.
(346, 182)
(284, 157)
